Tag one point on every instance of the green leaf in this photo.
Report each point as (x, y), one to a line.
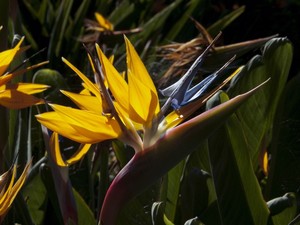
(256, 116)
(173, 180)
(284, 168)
(42, 13)
(167, 221)
(218, 26)
(196, 193)
(139, 209)
(121, 152)
(85, 215)
(155, 23)
(192, 5)
(223, 53)
(36, 196)
(47, 179)
(124, 9)
(81, 13)
(59, 28)
(238, 192)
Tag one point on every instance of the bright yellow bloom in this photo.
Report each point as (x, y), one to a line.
(135, 104)
(113, 107)
(104, 23)
(16, 96)
(9, 188)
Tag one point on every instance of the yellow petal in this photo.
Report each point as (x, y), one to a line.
(137, 67)
(130, 124)
(265, 163)
(170, 121)
(80, 125)
(103, 22)
(84, 91)
(7, 77)
(4, 79)
(111, 59)
(14, 99)
(12, 174)
(56, 154)
(13, 190)
(140, 98)
(27, 88)
(55, 150)
(117, 85)
(78, 155)
(85, 102)
(7, 56)
(56, 123)
(89, 85)
(4, 179)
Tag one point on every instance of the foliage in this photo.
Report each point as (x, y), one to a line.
(224, 150)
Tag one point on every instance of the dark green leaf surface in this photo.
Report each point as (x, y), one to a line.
(285, 146)
(256, 116)
(85, 215)
(239, 196)
(218, 26)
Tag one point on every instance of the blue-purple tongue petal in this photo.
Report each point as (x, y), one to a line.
(178, 89)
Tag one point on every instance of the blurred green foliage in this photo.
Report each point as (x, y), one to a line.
(212, 185)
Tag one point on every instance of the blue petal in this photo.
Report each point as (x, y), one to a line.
(205, 85)
(177, 91)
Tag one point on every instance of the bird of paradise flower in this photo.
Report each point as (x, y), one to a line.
(10, 187)
(14, 96)
(102, 26)
(129, 110)
(17, 95)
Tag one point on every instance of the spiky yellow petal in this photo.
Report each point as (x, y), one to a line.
(56, 154)
(85, 102)
(7, 56)
(137, 67)
(89, 85)
(26, 88)
(117, 84)
(12, 189)
(80, 125)
(104, 23)
(140, 100)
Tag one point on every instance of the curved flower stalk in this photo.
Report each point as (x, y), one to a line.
(9, 188)
(17, 96)
(129, 110)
